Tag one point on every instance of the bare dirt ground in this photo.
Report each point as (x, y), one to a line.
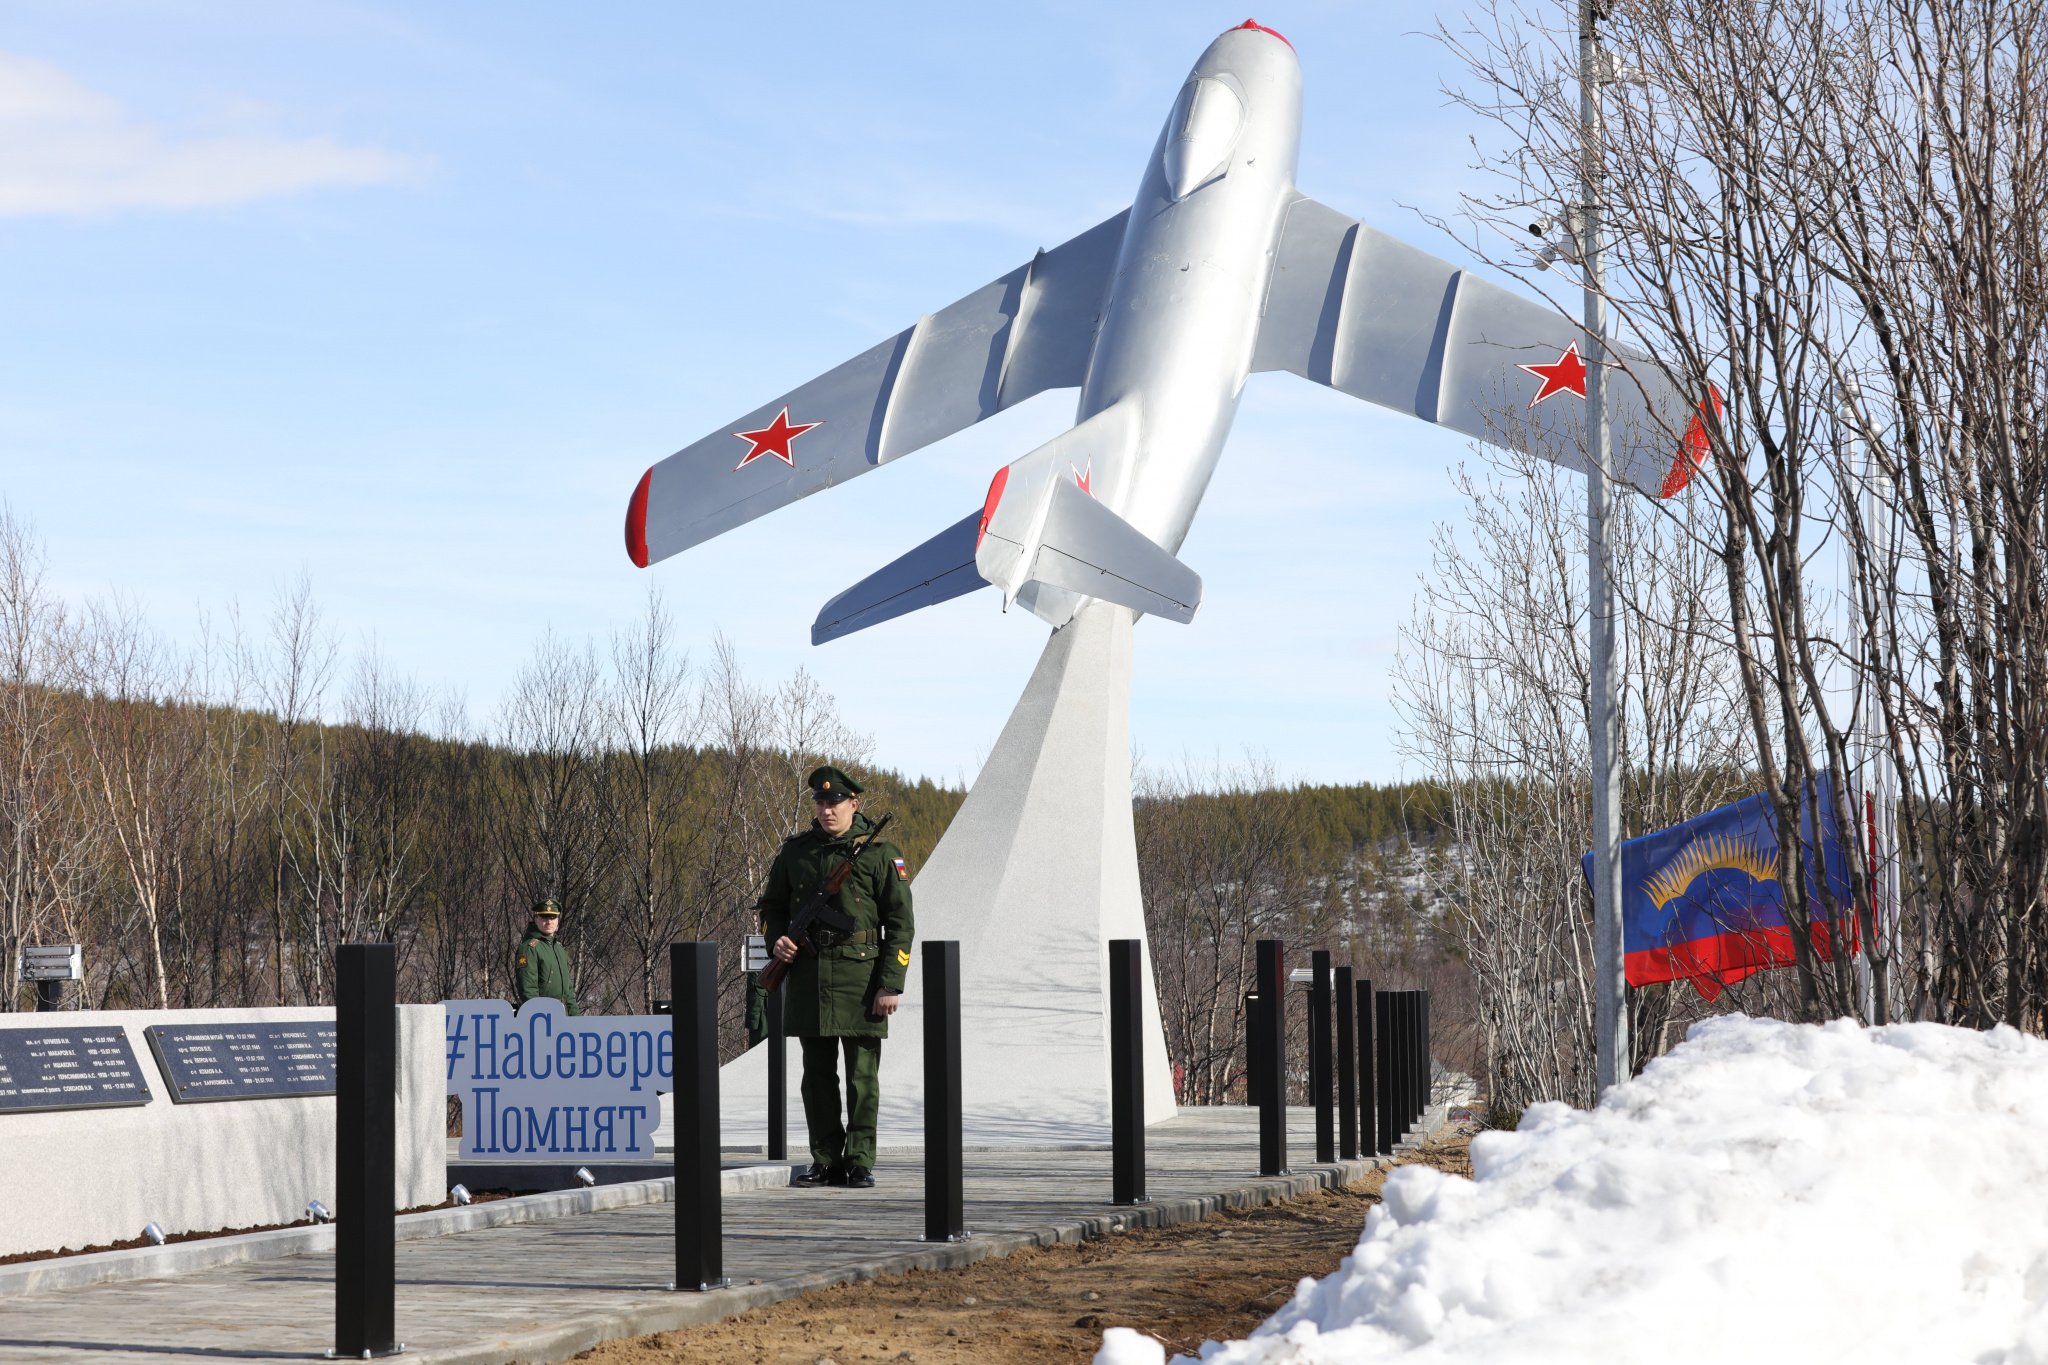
(1215, 1279)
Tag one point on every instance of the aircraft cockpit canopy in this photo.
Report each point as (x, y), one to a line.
(1200, 134)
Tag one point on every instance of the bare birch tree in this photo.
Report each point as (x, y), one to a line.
(39, 859)
(137, 767)
(291, 679)
(1493, 689)
(220, 959)
(358, 864)
(558, 834)
(655, 727)
(1832, 212)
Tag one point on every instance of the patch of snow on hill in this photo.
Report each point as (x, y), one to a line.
(1767, 1191)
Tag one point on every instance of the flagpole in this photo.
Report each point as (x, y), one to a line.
(1884, 868)
(1867, 747)
(1610, 1016)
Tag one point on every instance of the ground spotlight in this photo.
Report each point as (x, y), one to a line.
(154, 1233)
(459, 1193)
(317, 1211)
(583, 1175)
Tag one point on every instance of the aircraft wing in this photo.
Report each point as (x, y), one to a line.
(1368, 314)
(1029, 331)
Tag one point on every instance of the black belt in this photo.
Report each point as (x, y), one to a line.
(864, 936)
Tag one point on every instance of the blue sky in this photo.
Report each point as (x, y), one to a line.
(405, 298)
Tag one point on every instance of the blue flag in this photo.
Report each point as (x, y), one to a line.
(1701, 901)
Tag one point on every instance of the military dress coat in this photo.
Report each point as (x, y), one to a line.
(831, 994)
(540, 967)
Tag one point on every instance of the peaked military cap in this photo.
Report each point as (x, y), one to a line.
(828, 781)
(546, 906)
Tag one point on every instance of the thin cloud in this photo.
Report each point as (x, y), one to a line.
(67, 149)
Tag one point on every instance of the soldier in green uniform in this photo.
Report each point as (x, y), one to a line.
(540, 966)
(838, 1000)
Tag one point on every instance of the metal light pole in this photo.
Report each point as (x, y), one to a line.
(1610, 1016)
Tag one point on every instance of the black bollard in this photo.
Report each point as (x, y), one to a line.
(1404, 1065)
(1321, 1067)
(1368, 1111)
(945, 1210)
(778, 1080)
(1422, 1061)
(1385, 1098)
(1126, 1074)
(365, 1135)
(1347, 1072)
(1272, 1058)
(1393, 1093)
(1411, 1018)
(700, 1212)
(1418, 1057)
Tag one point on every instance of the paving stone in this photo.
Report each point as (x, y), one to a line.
(542, 1291)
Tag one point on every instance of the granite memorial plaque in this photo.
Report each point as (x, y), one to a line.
(244, 1061)
(90, 1067)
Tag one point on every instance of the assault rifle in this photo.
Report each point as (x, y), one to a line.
(818, 914)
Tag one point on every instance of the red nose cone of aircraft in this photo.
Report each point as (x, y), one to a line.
(1258, 27)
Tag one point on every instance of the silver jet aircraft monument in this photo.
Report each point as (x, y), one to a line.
(1219, 269)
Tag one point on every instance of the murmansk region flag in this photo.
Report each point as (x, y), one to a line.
(1700, 901)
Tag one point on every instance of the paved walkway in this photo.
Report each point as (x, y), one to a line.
(542, 1291)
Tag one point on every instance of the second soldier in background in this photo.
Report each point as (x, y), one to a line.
(838, 1001)
(540, 964)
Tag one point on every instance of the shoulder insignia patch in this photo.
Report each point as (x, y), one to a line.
(522, 960)
(902, 872)
(902, 958)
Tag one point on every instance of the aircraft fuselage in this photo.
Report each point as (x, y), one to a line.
(1182, 317)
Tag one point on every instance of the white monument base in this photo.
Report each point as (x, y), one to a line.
(86, 1177)
(1036, 874)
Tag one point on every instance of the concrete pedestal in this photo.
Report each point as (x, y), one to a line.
(1036, 874)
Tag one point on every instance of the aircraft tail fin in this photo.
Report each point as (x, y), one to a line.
(936, 571)
(1041, 537)
(1048, 544)
(1088, 550)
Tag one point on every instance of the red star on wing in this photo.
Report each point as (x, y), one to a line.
(1082, 479)
(774, 439)
(1566, 374)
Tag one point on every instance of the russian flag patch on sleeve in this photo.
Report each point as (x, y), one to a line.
(902, 872)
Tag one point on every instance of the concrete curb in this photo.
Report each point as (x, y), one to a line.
(149, 1263)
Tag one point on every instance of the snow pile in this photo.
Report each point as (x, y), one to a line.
(1768, 1191)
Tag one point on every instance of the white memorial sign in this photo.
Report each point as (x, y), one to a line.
(538, 1084)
